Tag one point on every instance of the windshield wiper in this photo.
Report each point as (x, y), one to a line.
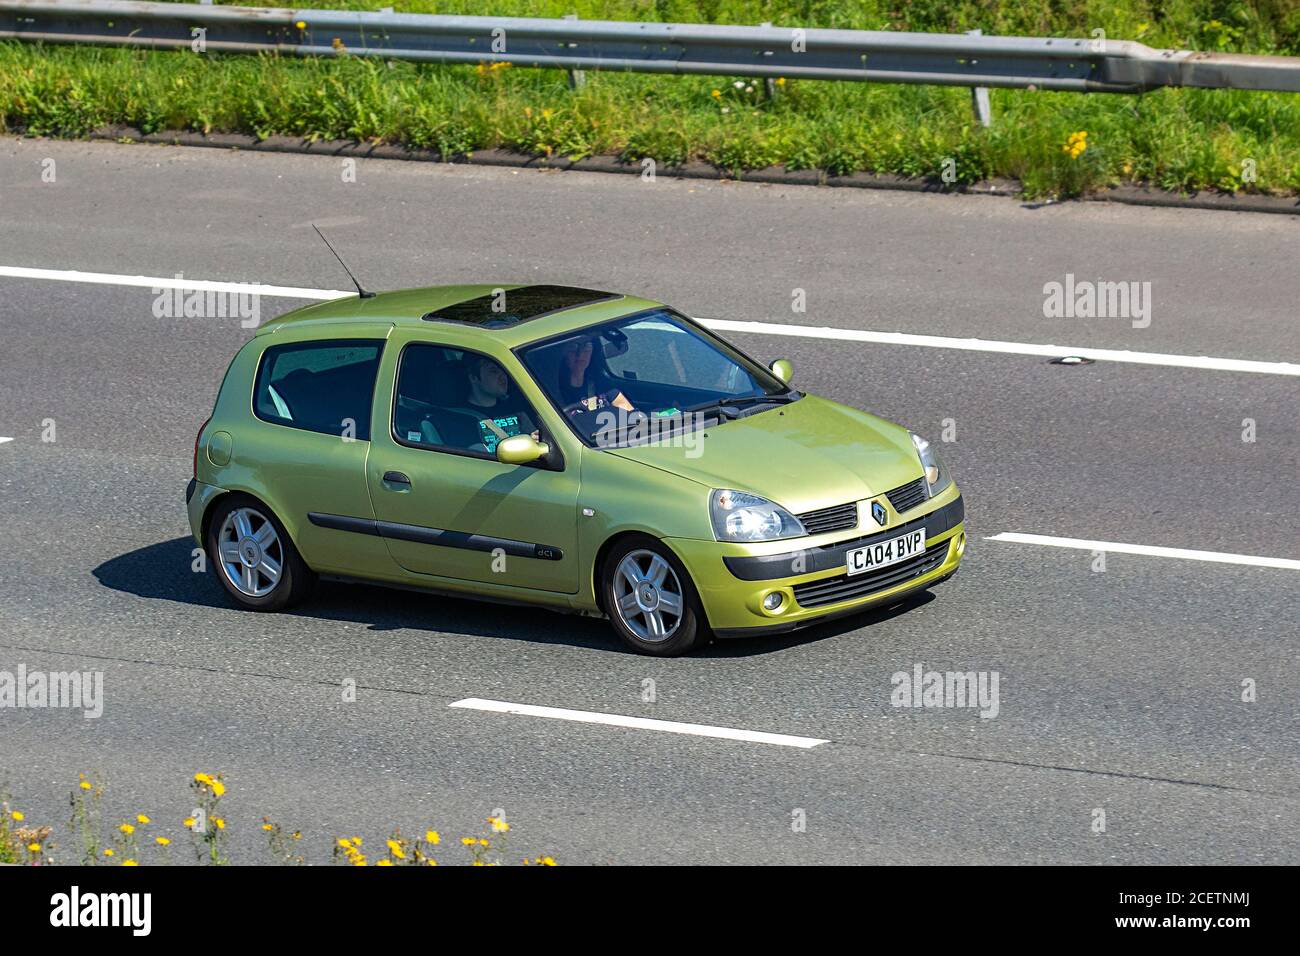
(739, 400)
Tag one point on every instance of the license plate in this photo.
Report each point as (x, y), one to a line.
(884, 553)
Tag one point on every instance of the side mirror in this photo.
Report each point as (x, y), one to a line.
(782, 369)
(520, 450)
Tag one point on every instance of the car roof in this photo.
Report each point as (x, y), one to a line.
(463, 313)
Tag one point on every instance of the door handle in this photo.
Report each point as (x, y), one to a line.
(396, 478)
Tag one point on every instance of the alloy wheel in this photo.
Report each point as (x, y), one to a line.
(648, 596)
(251, 553)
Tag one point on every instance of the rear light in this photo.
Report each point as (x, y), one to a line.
(196, 447)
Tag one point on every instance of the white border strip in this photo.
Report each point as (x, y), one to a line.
(159, 282)
(1219, 557)
(1205, 362)
(638, 723)
(1009, 348)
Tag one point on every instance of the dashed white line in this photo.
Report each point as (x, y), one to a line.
(1204, 362)
(637, 723)
(1116, 547)
(3, 440)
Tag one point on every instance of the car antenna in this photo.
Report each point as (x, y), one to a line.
(360, 291)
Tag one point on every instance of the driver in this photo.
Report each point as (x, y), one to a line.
(583, 388)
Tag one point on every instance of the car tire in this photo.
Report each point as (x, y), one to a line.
(253, 556)
(650, 599)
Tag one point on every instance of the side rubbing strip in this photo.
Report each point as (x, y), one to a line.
(343, 523)
(436, 536)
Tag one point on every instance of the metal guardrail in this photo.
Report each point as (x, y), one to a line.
(1090, 66)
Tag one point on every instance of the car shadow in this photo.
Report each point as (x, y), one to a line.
(164, 572)
(750, 646)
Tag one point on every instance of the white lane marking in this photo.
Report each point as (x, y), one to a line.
(3, 440)
(1115, 547)
(639, 723)
(727, 325)
(1010, 348)
(164, 282)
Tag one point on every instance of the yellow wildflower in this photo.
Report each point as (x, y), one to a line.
(433, 836)
(85, 784)
(17, 816)
(34, 847)
(141, 818)
(162, 841)
(127, 829)
(129, 863)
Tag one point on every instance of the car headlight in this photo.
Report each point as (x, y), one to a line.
(936, 475)
(738, 516)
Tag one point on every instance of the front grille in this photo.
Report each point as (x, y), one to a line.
(908, 496)
(846, 587)
(836, 518)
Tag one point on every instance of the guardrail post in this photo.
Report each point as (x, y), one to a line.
(577, 78)
(769, 84)
(979, 95)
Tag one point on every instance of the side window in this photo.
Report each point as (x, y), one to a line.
(323, 386)
(452, 400)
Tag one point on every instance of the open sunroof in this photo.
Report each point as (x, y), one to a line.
(507, 307)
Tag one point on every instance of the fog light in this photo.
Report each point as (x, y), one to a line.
(773, 601)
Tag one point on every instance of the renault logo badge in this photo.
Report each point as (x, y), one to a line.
(878, 512)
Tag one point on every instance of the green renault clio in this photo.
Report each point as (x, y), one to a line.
(585, 451)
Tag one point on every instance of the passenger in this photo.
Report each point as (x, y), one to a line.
(499, 414)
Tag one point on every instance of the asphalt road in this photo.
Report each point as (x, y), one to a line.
(1120, 691)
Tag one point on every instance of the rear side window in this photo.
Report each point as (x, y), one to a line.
(322, 386)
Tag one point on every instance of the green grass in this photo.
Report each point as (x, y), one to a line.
(1176, 139)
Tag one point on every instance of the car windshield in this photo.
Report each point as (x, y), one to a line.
(640, 377)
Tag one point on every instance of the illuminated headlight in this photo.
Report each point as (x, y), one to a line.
(738, 516)
(936, 475)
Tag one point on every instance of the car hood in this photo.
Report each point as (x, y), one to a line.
(812, 453)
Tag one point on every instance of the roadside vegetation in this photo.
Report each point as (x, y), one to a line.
(1183, 140)
(201, 837)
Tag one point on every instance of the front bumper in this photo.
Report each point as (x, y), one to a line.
(733, 579)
